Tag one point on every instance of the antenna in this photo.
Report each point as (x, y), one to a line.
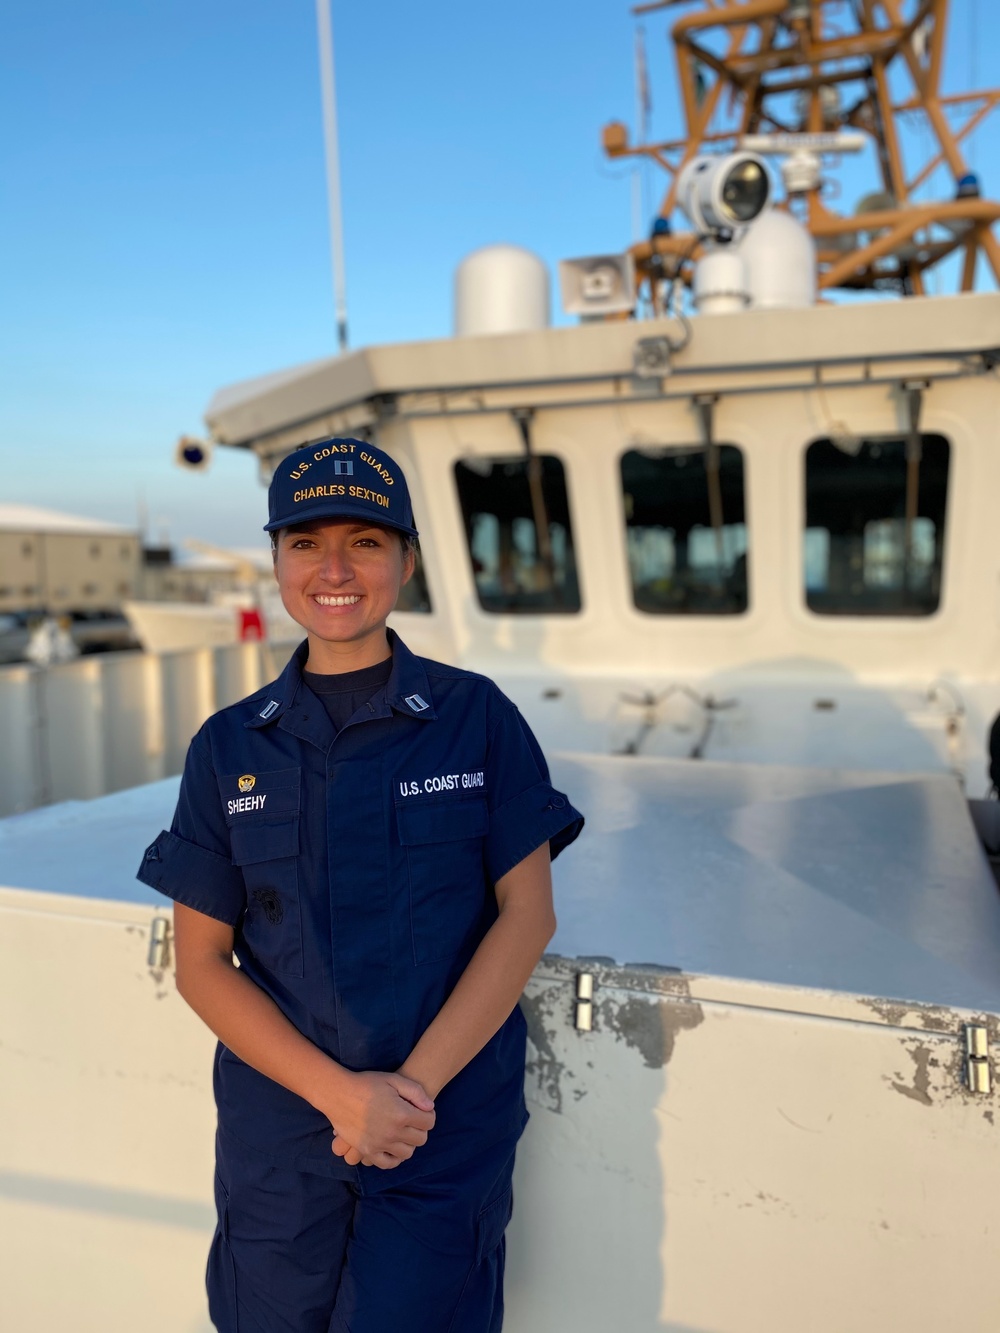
(837, 141)
(324, 23)
(806, 78)
(801, 169)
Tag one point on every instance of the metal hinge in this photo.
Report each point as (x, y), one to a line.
(159, 942)
(977, 1058)
(584, 1001)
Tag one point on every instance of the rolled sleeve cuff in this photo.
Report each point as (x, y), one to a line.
(194, 876)
(540, 814)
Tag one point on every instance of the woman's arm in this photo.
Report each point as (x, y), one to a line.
(386, 1115)
(487, 990)
(491, 985)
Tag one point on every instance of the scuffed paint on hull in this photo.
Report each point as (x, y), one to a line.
(694, 1160)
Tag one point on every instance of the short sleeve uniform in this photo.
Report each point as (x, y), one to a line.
(357, 870)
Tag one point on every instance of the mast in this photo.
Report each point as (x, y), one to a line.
(751, 67)
(324, 23)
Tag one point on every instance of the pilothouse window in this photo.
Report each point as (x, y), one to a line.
(516, 514)
(875, 521)
(685, 523)
(415, 595)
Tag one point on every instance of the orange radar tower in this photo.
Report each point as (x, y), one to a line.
(798, 77)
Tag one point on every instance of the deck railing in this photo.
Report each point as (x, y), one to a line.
(109, 721)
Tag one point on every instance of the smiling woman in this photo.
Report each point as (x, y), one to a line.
(370, 834)
(339, 580)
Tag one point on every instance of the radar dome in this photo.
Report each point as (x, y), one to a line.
(501, 289)
(779, 258)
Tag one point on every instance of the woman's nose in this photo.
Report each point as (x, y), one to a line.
(337, 566)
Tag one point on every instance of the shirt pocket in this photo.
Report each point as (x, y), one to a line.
(448, 889)
(266, 850)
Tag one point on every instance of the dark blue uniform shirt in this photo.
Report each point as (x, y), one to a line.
(357, 870)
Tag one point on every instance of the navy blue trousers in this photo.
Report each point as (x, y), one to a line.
(296, 1252)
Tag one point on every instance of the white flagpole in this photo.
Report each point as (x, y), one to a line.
(324, 24)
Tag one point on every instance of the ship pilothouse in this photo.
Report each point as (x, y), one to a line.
(722, 487)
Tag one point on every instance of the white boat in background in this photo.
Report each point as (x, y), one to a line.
(249, 612)
(738, 567)
(169, 627)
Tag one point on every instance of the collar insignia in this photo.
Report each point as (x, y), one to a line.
(416, 703)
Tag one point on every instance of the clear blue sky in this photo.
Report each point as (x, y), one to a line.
(164, 230)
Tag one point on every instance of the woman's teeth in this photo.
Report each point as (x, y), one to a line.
(336, 601)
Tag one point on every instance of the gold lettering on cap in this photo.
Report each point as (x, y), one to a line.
(373, 497)
(317, 492)
(380, 468)
(329, 449)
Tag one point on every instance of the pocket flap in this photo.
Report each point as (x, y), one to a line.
(270, 841)
(447, 821)
(493, 1222)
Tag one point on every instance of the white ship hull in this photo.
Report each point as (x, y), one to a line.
(767, 1128)
(169, 627)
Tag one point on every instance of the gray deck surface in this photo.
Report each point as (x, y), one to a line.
(88, 848)
(869, 883)
(861, 882)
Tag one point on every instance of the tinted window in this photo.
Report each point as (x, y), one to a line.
(875, 517)
(685, 521)
(415, 596)
(516, 514)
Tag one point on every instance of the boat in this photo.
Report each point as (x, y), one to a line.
(734, 557)
(249, 612)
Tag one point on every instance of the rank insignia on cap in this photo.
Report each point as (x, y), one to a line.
(416, 703)
(246, 782)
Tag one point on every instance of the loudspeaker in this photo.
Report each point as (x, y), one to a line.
(597, 285)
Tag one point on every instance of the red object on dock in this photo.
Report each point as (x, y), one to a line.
(251, 625)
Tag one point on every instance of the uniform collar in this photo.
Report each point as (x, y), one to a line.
(407, 691)
(276, 699)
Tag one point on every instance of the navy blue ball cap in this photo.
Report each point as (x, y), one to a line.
(339, 478)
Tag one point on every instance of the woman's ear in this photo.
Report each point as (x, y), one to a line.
(409, 563)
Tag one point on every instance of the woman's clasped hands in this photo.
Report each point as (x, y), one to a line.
(380, 1119)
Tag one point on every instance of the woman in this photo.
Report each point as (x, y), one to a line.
(371, 835)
